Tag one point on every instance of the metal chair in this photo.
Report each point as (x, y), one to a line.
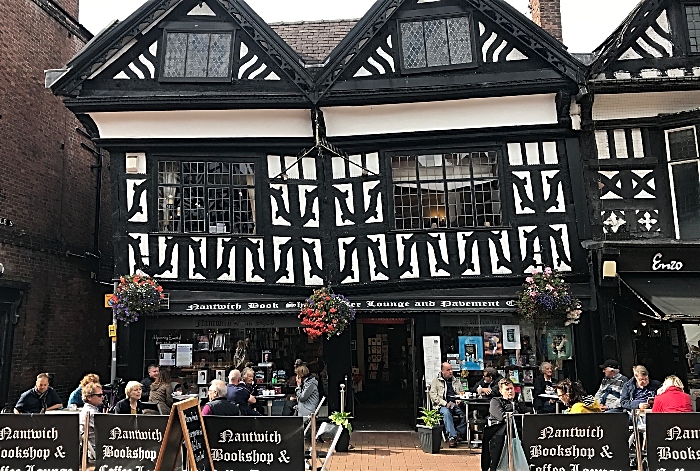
(308, 425)
(327, 431)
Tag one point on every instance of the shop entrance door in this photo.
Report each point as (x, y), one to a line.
(384, 366)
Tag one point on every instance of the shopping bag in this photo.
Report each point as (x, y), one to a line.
(519, 458)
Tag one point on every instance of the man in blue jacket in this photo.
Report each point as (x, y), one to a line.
(638, 392)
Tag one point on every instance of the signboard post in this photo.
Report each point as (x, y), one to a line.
(269, 443)
(185, 424)
(576, 442)
(673, 441)
(39, 441)
(128, 441)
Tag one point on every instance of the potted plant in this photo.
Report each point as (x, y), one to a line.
(136, 295)
(326, 313)
(430, 433)
(342, 419)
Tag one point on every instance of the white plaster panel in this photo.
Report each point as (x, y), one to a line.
(201, 242)
(140, 162)
(558, 258)
(162, 250)
(519, 209)
(532, 153)
(643, 105)
(230, 263)
(464, 257)
(375, 275)
(291, 167)
(601, 140)
(309, 279)
(346, 187)
(620, 143)
(280, 263)
(309, 166)
(259, 255)
(303, 190)
(279, 220)
(470, 113)
(141, 216)
(550, 153)
(413, 256)
(143, 246)
(338, 164)
(637, 143)
(366, 187)
(515, 153)
(547, 190)
(355, 277)
(274, 167)
(372, 160)
(505, 247)
(610, 174)
(355, 166)
(433, 256)
(203, 124)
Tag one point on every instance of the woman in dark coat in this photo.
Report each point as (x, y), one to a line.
(544, 385)
(131, 404)
(495, 432)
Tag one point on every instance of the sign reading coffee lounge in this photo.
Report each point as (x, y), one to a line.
(457, 305)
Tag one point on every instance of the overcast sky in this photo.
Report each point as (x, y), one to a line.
(586, 23)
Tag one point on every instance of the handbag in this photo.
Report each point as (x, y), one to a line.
(519, 458)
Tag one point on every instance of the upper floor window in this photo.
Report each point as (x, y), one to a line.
(692, 15)
(197, 55)
(214, 197)
(684, 172)
(446, 190)
(436, 42)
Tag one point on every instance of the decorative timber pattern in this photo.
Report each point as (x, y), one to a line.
(496, 48)
(380, 62)
(143, 67)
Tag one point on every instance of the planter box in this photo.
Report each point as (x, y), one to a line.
(430, 438)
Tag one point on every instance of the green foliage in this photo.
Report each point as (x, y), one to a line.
(342, 419)
(430, 417)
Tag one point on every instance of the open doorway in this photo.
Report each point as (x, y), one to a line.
(384, 370)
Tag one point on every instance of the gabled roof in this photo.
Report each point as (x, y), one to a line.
(114, 39)
(313, 40)
(522, 28)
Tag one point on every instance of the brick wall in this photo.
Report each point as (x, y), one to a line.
(47, 188)
(547, 14)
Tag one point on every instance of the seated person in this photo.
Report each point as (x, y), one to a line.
(39, 399)
(495, 432)
(544, 385)
(131, 404)
(444, 393)
(575, 398)
(488, 386)
(608, 395)
(92, 398)
(237, 393)
(218, 404)
(76, 397)
(671, 398)
(637, 391)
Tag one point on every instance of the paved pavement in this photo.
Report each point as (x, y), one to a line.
(401, 451)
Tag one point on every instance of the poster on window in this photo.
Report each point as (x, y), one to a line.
(559, 343)
(511, 337)
(184, 354)
(471, 353)
(493, 344)
(167, 354)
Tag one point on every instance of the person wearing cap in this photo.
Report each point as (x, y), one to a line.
(610, 390)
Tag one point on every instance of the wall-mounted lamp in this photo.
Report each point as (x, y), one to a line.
(609, 269)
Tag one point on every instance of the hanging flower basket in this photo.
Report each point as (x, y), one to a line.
(135, 296)
(547, 297)
(326, 313)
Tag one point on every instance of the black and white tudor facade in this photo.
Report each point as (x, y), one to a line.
(423, 169)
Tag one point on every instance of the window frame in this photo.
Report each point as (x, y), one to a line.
(206, 159)
(445, 16)
(188, 28)
(686, 29)
(670, 164)
(502, 190)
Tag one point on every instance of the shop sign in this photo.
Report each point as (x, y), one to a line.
(576, 442)
(269, 443)
(126, 442)
(418, 305)
(659, 260)
(6, 222)
(39, 441)
(673, 441)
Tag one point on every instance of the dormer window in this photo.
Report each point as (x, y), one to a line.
(440, 42)
(196, 56)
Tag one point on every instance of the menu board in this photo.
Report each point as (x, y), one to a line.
(431, 357)
(185, 426)
(576, 441)
(124, 441)
(39, 441)
(269, 443)
(673, 441)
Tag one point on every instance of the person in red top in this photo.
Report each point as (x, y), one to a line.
(671, 398)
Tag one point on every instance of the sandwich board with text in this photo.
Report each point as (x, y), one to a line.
(185, 427)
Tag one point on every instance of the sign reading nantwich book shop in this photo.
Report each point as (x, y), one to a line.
(576, 442)
(39, 441)
(269, 443)
(673, 441)
(128, 442)
(185, 426)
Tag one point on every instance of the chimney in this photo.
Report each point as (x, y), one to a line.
(547, 14)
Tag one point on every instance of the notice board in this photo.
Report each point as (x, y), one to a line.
(185, 427)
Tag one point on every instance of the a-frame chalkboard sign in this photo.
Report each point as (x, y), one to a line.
(185, 426)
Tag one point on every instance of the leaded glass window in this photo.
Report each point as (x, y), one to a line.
(692, 15)
(436, 42)
(197, 55)
(197, 197)
(684, 172)
(446, 190)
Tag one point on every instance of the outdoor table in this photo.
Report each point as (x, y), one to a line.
(270, 399)
(552, 396)
(474, 403)
(63, 411)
